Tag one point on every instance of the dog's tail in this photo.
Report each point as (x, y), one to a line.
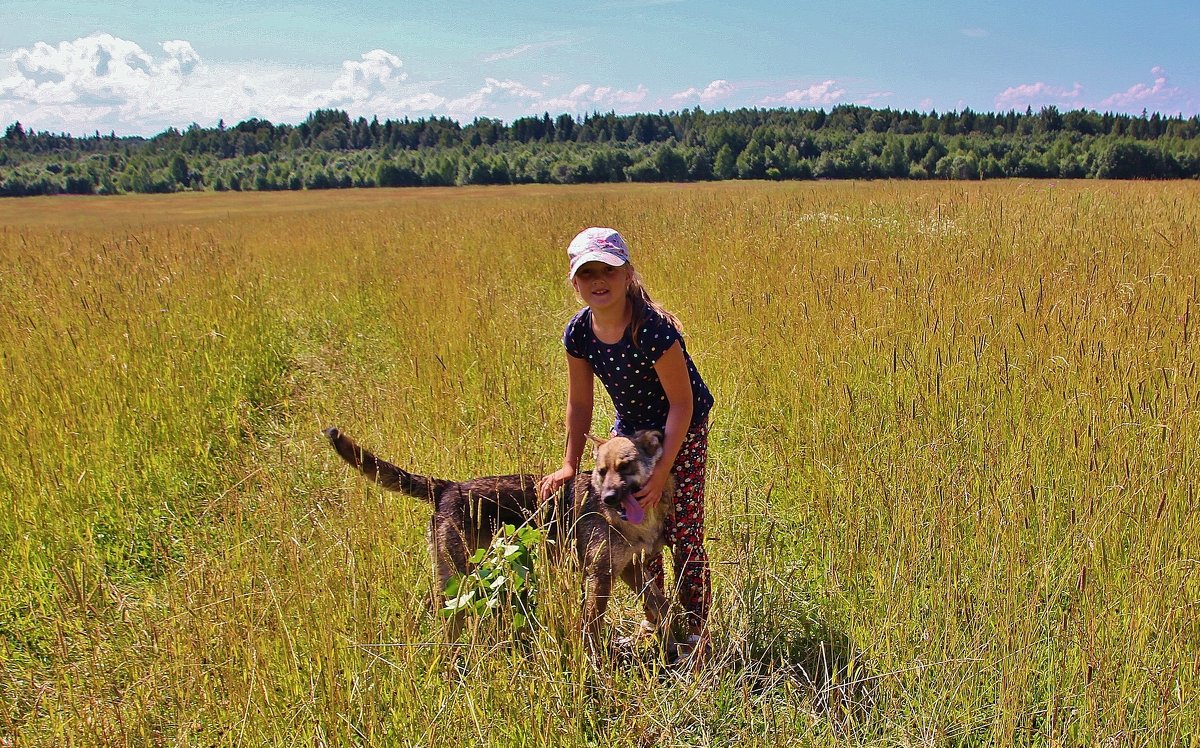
(383, 473)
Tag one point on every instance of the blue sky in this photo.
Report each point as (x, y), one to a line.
(138, 67)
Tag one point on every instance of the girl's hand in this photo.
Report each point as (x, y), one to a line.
(554, 481)
(652, 492)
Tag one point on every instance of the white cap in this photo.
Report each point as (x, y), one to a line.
(597, 245)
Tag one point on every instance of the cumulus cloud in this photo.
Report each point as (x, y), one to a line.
(108, 83)
(873, 98)
(611, 96)
(492, 95)
(1037, 95)
(1141, 95)
(513, 98)
(715, 91)
(95, 71)
(369, 81)
(181, 58)
(102, 82)
(373, 73)
(818, 94)
(588, 96)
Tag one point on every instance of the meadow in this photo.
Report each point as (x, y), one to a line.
(952, 478)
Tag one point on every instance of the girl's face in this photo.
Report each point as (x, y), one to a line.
(601, 285)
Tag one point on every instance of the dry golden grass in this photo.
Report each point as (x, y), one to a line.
(952, 473)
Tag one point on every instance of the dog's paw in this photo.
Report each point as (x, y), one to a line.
(646, 631)
(691, 654)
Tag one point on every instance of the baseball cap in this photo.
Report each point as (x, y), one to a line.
(597, 244)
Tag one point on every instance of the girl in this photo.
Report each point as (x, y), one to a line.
(635, 347)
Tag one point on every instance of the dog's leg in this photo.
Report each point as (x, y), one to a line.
(448, 549)
(595, 558)
(655, 604)
(597, 587)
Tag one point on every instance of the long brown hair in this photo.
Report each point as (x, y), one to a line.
(640, 301)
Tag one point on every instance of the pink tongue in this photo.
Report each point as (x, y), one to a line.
(633, 511)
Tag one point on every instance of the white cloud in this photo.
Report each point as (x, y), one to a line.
(825, 92)
(95, 71)
(102, 82)
(873, 98)
(586, 96)
(1037, 95)
(1141, 95)
(714, 91)
(493, 94)
(570, 102)
(609, 96)
(521, 49)
(686, 95)
(508, 54)
(422, 102)
(362, 82)
(182, 59)
(563, 104)
(1156, 95)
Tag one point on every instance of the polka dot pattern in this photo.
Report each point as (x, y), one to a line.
(628, 374)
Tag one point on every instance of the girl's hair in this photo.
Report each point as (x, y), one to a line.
(640, 301)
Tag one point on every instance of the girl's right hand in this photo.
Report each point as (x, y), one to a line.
(554, 481)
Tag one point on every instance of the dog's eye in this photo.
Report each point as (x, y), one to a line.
(601, 471)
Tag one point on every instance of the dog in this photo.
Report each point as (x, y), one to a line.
(613, 536)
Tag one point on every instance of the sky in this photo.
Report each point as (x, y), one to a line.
(138, 67)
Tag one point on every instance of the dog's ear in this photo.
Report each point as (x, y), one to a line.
(597, 443)
(650, 442)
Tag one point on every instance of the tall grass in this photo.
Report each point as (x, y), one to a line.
(951, 483)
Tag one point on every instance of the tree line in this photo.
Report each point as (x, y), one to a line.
(330, 150)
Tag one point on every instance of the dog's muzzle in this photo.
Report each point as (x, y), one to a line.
(616, 497)
(625, 504)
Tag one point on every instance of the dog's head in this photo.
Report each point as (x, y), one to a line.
(623, 465)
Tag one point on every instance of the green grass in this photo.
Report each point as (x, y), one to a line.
(951, 481)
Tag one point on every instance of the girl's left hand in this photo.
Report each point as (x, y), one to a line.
(652, 492)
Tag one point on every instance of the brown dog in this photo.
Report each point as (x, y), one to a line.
(613, 536)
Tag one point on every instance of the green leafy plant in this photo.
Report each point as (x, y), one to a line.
(503, 578)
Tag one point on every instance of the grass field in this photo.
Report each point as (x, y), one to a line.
(952, 478)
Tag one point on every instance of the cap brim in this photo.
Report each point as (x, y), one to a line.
(605, 257)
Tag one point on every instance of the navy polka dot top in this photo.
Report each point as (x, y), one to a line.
(628, 374)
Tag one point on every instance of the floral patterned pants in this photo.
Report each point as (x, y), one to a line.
(685, 530)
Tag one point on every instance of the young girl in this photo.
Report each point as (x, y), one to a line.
(635, 347)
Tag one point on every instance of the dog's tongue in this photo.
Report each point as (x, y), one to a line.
(633, 511)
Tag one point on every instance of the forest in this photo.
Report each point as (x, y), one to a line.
(329, 149)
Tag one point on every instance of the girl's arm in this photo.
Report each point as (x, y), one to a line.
(672, 371)
(580, 392)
